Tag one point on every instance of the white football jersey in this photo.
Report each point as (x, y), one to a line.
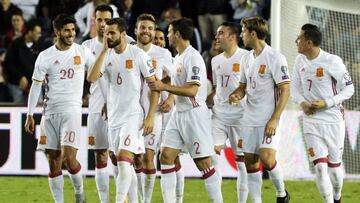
(161, 61)
(226, 77)
(125, 74)
(64, 73)
(96, 99)
(325, 78)
(261, 76)
(189, 67)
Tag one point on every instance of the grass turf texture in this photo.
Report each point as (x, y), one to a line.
(36, 189)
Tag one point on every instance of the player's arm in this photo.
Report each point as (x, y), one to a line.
(32, 101)
(94, 71)
(168, 103)
(344, 82)
(238, 94)
(154, 99)
(188, 90)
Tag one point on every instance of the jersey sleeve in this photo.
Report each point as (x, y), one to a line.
(145, 64)
(168, 66)
(280, 71)
(40, 69)
(296, 88)
(193, 66)
(243, 60)
(344, 83)
(213, 68)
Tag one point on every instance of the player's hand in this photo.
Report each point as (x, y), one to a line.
(156, 85)
(105, 43)
(234, 98)
(307, 108)
(148, 125)
(29, 124)
(167, 105)
(270, 128)
(104, 112)
(23, 83)
(318, 104)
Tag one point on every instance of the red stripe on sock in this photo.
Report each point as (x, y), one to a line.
(101, 165)
(126, 159)
(320, 160)
(139, 170)
(166, 171)
(149, 171)
(208, 173)
(55, 174)
(240, 159)
(334, 165)
(253, 170)
(76, 170)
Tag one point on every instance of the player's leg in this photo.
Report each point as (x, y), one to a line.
(114, 164)
(317, 150)
(219, 135)
(196, 132)
(139, 169)
(335, 140)
(98, 142)
(267, 152)
(236, 140)
(180, 180)
(70, 134)
(56, 179)
(101, 175)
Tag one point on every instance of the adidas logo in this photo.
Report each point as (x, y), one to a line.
(56, 62)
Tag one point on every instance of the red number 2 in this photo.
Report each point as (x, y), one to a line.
(197, 147)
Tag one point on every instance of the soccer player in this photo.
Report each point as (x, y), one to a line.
(62, 68)
(97, 126)
(159, 38)
(190, 122)
(161, 61)
(226, 121)
(125, 65)
(265, 80)
(320, 84)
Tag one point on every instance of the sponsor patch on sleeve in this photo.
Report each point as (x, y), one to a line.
(195, 77)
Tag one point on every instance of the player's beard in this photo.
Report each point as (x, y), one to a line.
(145, 41)
(113, 44)
(64, 40)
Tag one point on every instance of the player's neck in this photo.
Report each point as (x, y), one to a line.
(61, 46)
(230, 51)
(180, 48)
(312, 53)
(100, 39)
(121, 47)
(258, 47)
(145, 47)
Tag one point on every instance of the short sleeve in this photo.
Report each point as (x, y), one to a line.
(193, 66)
(242, 78)
(280, 70)
(40, 69)
(145, 64)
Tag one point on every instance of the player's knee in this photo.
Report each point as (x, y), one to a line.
(148, 158)
(268, 160)
(203, 163)
(166, 159)
(101, 156)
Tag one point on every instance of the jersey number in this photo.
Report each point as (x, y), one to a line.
(118, 79)
(310, 83)
(225, 80)
(69, 73)
(69, 136)
(252, 83)
(152, 139)
(197, 146)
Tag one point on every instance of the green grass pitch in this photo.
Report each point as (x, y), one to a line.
(36, 189)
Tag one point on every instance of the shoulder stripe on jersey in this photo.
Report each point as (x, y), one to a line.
(194, 83)
(37, 80)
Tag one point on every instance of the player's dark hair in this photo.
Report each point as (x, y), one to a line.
(234, 29)
(256, 24)
(63, 19)
(120, 22)
(312, 33)
(104, 8)
(184, 26)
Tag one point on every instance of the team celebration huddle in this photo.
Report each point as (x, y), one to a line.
(144, 101)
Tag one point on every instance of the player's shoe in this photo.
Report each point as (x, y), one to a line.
(285, 199)
(337, 201)
(80, 198)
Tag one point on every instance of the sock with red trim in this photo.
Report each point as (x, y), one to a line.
(168, 183)
(277, 179)
(336, 177)
(241, 183)
(77, 180)
(254, 185)
(123, 180)
(56, 183)
(150, 175)
(133, 190)
(212, 184)
(140, 182)
(102, 182)
(180, 181)
(323, 182)
(115, 170)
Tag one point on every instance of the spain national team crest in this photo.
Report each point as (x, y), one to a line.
(42, 139)
(262, 69)
(236, 68)
(129, 64)
(154, 63)
(77, 60)
(91, 140)
(320, 72)
(178, 68)
(311, 152)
